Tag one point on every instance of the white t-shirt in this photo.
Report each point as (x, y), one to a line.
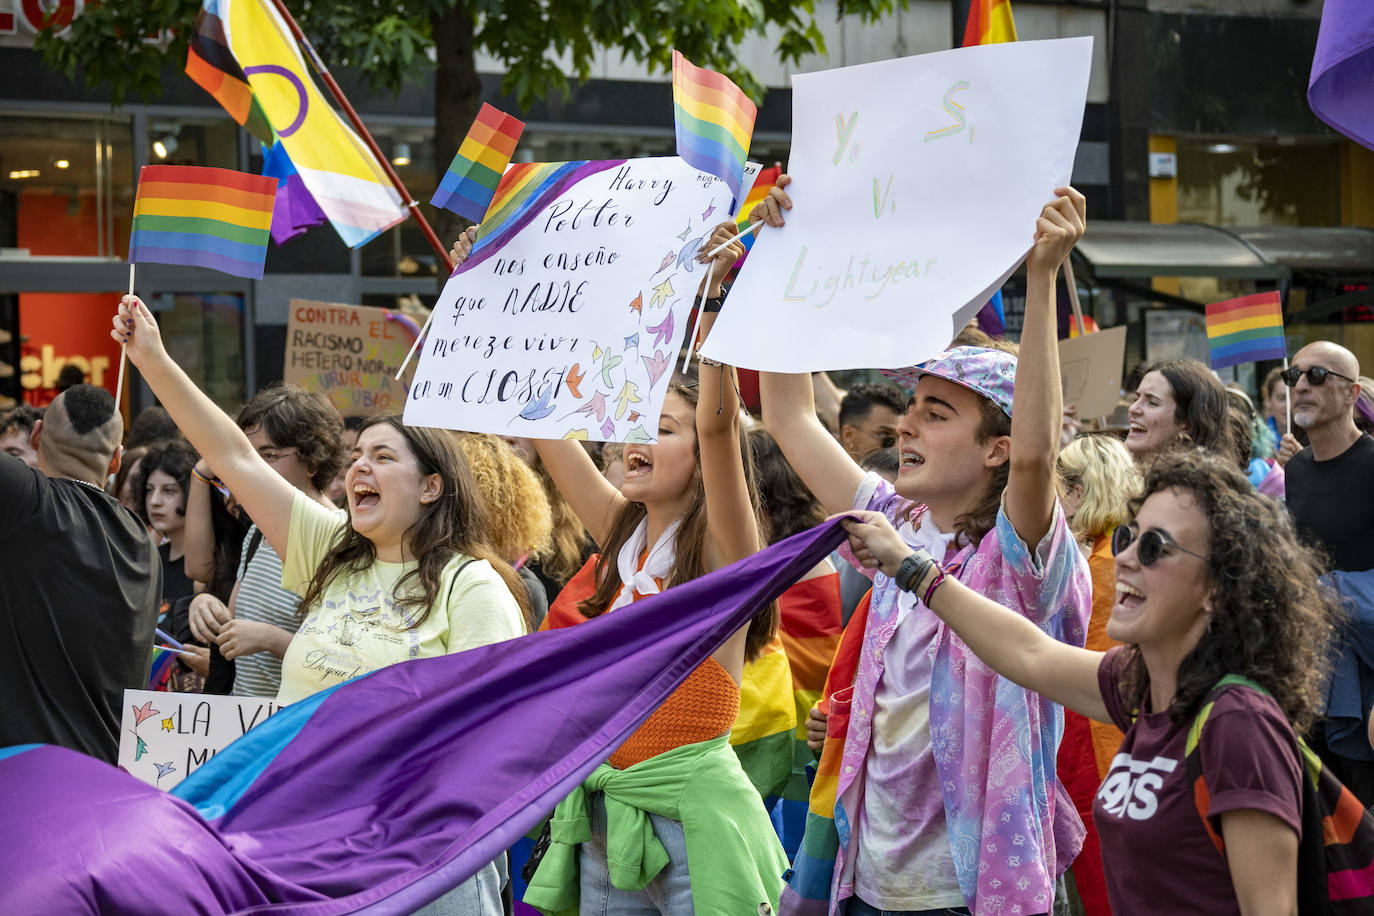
(356, 627)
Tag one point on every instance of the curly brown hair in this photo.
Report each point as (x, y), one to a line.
(1272, 620)
(305, 421)
(513, 494)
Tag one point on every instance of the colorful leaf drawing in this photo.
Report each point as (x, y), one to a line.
(628, 395)
(573, 379)
(632, 341)
(596, 352)
(686, 232)
(661, 292)
(163, 769)
(167, 724)
(608, 428)
(146, 711)
(634, 416)
(667, 259)
(575, 434)
(663, 330)
(595, 405)
(607, 364)
(656, 364)
(638, 304)
(539, 408)
(709, 210)
(140, 748)
(688, 255)
(637, 435)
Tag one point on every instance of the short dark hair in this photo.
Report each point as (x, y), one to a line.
(70, 376)
(175, 459)
(20, 419)
(1200, 401)
(88, 407)
(295, 418)
(151, 426)
(860, 400)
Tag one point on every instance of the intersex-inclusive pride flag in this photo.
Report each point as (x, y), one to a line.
(202, 217)
(714, 122)
(1245, 330)
(380, 794)
(1341, 88)
(525, 190)
(473, 175)
(243, 54)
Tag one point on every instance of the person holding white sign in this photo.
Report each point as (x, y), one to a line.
(945, 774)
(688, 505)
(408, 574)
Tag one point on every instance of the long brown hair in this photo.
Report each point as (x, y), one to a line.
(982, 518)
(690, 559)
(1272, 620)
(456, 522)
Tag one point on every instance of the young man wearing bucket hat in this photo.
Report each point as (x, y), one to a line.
(945, 793)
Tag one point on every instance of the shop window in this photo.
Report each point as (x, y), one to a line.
(1259, 183)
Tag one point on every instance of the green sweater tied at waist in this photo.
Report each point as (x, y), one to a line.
(734, 858)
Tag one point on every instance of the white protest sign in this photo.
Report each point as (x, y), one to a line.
(565, 321)
(165, 736)
(916, 186)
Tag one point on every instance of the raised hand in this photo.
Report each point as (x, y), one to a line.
(1059, 227)
(770, 208)
(463, 247)
(136, 330)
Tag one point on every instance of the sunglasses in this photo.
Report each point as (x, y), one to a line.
(1153, 544)
(1316, 375)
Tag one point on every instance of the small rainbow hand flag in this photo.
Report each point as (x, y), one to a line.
(714, 121)
(203, 217)
(476, 169)
(1246, 329)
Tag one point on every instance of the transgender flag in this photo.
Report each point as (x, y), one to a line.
(380, 794)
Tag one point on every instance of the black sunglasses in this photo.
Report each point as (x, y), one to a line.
(1153, 544)
(1316, 375)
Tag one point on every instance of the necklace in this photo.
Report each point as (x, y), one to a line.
(85, 483)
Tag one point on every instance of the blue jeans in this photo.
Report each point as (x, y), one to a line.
(856, 907)
(479, 895)
(669, 893)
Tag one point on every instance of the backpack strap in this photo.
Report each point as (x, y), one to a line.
(1193, 759)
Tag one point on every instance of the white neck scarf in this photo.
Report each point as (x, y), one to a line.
(934, 541)
(636, 579)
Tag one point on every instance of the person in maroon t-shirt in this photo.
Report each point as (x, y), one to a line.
(1211, 580)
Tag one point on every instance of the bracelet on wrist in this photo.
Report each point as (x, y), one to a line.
(713, 304)
(208, 481)
(934, 584)
(913, 570)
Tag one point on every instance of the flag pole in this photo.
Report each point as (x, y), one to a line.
(366, 135)
(1288, 399)
(1072, 284)
(123, 352)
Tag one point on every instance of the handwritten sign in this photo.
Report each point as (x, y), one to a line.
(1090, 365)
(349, 353)
(164, 736)
(570, 327)
(916, 185)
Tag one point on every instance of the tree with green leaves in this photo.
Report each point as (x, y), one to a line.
(543, 44)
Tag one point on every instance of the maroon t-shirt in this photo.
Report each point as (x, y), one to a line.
(1156, 852)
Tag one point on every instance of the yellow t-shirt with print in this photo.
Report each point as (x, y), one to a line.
(356, 628)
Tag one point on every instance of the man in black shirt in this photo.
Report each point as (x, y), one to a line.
(79, 583)
(1330, 493)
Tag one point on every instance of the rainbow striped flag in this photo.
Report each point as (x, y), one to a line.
(765, 180)
(476, 169)
(526, 189)
(714, 122)
(1245, 330)
(989, 23)
(762, 735)
(244, 55)
(202, 217)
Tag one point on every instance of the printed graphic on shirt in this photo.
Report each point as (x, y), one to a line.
(1131, 787)
(364, 625)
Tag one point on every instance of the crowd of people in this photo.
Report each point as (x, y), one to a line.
(990, 700)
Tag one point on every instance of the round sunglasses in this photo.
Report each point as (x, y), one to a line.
(1316, 375)
(1154, 543)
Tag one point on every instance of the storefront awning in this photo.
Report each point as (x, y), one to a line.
(1125, 249)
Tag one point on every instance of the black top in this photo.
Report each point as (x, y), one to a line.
(175, 585)
(80, 583)
(1332, 503)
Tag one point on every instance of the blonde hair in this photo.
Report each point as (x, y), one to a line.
(522, 521)
(1104, 468)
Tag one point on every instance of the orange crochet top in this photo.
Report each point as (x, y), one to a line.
(703, 707)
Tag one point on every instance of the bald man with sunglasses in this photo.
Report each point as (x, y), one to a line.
(1330, 494)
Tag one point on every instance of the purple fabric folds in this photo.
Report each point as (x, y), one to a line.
(380, 794)
(296, 209)
(1341, 89)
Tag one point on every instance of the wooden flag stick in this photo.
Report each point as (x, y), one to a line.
(753, 227)
(701, 308)
(1288, 399)
(405, 362)
(123, 354)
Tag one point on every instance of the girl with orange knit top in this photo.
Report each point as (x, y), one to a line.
(687, 507)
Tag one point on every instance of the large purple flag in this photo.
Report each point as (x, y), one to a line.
(380, 794)
(1341, 90)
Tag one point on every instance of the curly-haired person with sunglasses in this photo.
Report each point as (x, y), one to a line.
(1330, 494)
(1211, 581)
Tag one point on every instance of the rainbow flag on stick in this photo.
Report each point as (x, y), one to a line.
(203, 217)
(714, 122)
(477, 167)
(1246, 329)
(989, 23)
